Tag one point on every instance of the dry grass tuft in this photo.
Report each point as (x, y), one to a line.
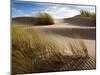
(36, 51)
(87, 14)
(44, 19)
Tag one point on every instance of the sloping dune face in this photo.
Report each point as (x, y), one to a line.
(24, 20)
(81, 21)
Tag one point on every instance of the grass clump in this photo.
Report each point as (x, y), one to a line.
(44, 19)
(32, 52)
(87, 14)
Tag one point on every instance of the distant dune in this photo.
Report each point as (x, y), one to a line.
(80, 20)
(77, 20)
(24, 20)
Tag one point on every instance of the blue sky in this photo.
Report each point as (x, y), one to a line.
(21, 8)
(88, 2)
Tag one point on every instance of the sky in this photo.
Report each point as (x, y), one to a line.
(88, 2)
(22, 8)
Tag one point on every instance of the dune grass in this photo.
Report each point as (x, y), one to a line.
(36, 51)
(87, 14)
(44, 19)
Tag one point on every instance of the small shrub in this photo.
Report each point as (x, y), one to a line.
(44, 19)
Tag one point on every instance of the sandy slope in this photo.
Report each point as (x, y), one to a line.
(75, 32)
(76, 27)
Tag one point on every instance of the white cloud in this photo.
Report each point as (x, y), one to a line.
(66, 11)
(61, 12)
(88, 8)
(17, 10)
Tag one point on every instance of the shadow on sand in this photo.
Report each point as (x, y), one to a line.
(83, 33)
(81, 21)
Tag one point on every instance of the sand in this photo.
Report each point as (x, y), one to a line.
(87, 34)
(75, 27)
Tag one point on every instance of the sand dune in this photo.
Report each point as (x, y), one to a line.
(81, 21)
(75, 21)
(73, 28)
(76, 27)
(24, 20)
(87, 34)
